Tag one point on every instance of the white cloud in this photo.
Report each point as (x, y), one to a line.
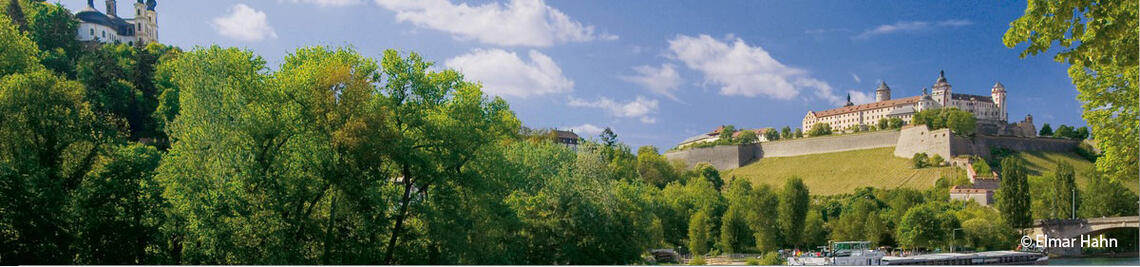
(909, 26)
(503, 73)
(856, 78)
(955, 23)
(518, 23)
(743, 70)
(244, 23)
(586, 130)
(640, 108)
(858, 97)
(325, 3)
(662, 80)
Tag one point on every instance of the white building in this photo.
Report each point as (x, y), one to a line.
(990, 110)
(95, 26)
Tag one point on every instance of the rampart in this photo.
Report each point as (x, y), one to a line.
(827, 144)
(907, 142)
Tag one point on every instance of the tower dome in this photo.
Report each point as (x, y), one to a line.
(998, 87)
(941, 89)
(883, 93)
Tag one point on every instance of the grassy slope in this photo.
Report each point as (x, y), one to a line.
(842, 172)
(1042, 164)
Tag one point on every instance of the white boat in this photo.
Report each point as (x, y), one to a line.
(860, 253)
(842, 253)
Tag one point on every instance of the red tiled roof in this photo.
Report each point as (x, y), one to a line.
(759, 132)
(868, 106)
(964, 189)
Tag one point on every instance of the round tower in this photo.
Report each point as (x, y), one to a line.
(883, 93)
(998, 95)
(941, 90)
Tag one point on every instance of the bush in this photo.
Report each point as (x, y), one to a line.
(820, 129)
(960, 122)
(752, 262)
(895, 123)
(919, 160)
(698, 260)
(936, 160)
(771, 258)
(1086, 151)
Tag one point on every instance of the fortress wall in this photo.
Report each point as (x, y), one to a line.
(827, 144)
(721, 157)
(918, 138)
(915, 139)
(981, 145)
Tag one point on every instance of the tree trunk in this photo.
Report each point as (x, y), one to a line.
(400, 216)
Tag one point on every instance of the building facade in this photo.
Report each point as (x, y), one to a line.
(990, 110)
(97, 27)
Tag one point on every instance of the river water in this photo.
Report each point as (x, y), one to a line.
(1095, 261)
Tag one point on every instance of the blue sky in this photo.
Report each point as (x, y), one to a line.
(658, 71)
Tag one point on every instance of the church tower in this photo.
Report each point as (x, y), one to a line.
(112, 9)
(883, 93)
(146, 22)
(998, 95)
(941, 90)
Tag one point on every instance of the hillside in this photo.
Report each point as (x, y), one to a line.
(842, 172)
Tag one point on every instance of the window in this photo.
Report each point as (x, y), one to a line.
(92, 30)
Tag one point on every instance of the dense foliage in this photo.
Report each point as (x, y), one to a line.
(960, 122)
(1098, 40)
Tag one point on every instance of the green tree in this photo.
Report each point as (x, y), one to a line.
(1064, 199)
(54, 29)
(763, 218)
(883, 123)
(441, 122)
(1065, 131)
(1046, 130)
(1097, 40)
(926, 226)
(794, 203)
(919, 160)
(16, 14)
(936, 160)
(961, 122)
(709, 173)
(1107, 197)
(815, 230)
(735, 234)
(1013, 198)
(699, 233)
(609, 142)
(895, 123)
(17, 52)
(726, 132)
(820, 129)
(119, 209)
(653, 168)
(747, 137)
(799, 133)
(772, 135)
(786, 132)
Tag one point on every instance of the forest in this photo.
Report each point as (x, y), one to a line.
(116, 154)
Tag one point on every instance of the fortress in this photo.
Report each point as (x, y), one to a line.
(993, 130)
(990, 111)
